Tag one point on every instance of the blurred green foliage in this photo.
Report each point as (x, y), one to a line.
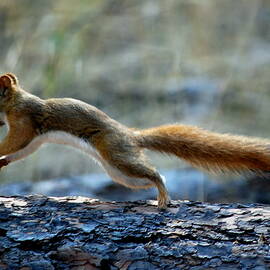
(145, 62)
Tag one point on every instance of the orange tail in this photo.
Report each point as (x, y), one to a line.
(208, 150)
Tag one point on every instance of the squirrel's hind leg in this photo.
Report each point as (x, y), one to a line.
(139, 175)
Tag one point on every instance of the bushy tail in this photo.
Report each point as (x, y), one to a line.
(208, 150)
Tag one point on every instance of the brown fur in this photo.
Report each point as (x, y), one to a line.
(29, 116)
(209, 150)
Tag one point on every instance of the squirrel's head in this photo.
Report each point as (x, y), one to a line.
(8, 86)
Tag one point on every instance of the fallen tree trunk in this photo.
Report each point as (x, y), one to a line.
(38, 232)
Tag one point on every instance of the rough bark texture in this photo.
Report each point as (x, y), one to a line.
(38, 232)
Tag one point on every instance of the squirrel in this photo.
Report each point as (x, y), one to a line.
(33, 121)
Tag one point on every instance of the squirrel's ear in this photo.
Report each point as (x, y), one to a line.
(14, 79)
(6, 82)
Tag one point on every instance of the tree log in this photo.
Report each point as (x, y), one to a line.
(38, 232)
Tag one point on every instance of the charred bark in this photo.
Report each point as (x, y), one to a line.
(38, 232)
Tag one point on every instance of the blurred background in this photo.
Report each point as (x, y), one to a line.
(145, 63)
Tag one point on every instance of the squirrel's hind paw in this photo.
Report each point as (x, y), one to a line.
(163, 202)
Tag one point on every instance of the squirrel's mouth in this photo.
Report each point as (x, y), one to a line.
(2, 123)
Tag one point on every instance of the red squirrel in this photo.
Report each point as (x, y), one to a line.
(33, 121)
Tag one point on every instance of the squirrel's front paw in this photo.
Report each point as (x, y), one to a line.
(2, 123)
(3, 162)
